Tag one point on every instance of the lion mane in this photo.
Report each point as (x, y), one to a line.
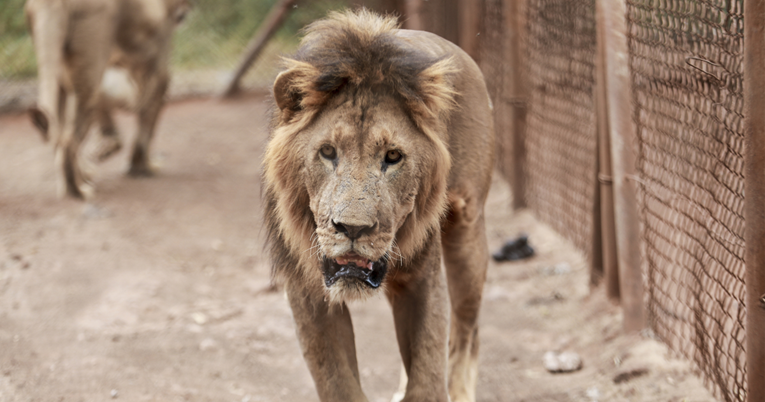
(351, 51)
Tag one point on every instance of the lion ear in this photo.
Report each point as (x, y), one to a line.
(435, 89)
(286, 98)
(294, 89)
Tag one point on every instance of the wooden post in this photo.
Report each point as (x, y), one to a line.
(754, 158)
(622, 133)
(268, 27)
(515, 17)
(469, 22)
(609, 263)
(413, 15)
(596, 249)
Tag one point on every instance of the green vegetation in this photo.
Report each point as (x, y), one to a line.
(213, 36)
(16, 51)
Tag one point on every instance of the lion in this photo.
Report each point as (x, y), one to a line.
(378, 164)
(75, 42)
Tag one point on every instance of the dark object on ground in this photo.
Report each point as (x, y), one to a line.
(629, 375)
(513, 250)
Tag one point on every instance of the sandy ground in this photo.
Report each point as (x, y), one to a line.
(158, 289)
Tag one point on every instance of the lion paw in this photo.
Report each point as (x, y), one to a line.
(82, 191)
(141, 170)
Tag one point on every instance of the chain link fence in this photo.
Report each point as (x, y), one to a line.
(561, 141)
(686, 60)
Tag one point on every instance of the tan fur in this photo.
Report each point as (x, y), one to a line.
(75, 42)
(363, 87)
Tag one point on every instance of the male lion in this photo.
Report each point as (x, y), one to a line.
(75, 41)
(381, 157)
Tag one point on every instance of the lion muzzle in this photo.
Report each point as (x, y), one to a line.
(355, 268)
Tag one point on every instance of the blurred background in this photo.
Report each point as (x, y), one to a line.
(207, 46)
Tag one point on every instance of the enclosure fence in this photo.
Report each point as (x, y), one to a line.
(685, 60)
(560, 169)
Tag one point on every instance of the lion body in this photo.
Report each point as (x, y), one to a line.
(75, 42)
(379, 165)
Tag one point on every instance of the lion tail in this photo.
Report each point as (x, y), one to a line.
(48, 20)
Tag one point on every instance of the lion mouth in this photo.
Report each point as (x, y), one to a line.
(353, 266)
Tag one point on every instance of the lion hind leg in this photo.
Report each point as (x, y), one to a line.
(466, 259)
(110, 142)
(89, 55)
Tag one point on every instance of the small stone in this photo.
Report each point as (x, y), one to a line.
(114, 394)
(199, 318)
(593, 393)
(561, 268)
(565, 362)
(207, 344)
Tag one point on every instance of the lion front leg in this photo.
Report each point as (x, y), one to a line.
(326, 338)
(421, 314)
(152, 83)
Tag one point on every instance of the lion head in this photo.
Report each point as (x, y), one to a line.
(356, 169)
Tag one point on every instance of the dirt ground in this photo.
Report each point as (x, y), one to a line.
(158, 289)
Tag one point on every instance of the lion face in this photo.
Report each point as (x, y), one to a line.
(363, 160)
(356, 169)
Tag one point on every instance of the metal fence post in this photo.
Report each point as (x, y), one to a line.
(517, 95)
(623, 136)
(609, 262)
(754, 157)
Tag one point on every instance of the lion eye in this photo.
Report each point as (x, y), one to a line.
(328, 151)
(392, 157)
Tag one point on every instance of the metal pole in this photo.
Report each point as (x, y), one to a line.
(623, 136)
(515, 17)
(269, 26)
(609, 261)
(754, 158)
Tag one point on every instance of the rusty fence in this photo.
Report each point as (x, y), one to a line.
(623, 126)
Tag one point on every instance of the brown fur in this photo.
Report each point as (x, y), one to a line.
(364, 87)
(75, 41)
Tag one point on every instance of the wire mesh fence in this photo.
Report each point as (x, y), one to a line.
(561, 141)
(686, 59)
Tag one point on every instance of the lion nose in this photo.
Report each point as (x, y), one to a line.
(353, 232)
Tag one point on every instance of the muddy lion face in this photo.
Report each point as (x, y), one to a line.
(356, 167)
(366, 191)
(364, 161)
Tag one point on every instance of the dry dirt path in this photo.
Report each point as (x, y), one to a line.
(158, 289)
